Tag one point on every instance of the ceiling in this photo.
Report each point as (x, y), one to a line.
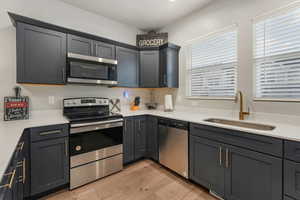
(143, 14)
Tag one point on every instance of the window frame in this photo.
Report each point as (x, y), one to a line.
(275, 13)
(188, 65)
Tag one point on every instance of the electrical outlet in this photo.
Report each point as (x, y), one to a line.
(51, 100)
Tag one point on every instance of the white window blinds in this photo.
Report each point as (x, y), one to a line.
(213, 66)
(277, 56)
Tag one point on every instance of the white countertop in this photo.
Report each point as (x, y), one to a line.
(283, 130)
(286, 126)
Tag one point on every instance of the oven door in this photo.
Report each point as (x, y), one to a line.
(95, 136)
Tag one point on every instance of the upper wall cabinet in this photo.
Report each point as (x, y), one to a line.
(169, 67)
(88, 47)
(149, 69)
(41, 55)
(159, 68)
(104, 50)
(128, 67)
(42, 50)
(80, 45)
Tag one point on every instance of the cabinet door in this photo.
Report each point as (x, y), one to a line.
(206, 164)
(41, 55)
(292, 179)
(128, 140)
(104, 50)
(80, 45)
(140, 137)
(149, 69)
(250, 175)
(168, 68)
(152, 138)
(128, 67)
(49, 165)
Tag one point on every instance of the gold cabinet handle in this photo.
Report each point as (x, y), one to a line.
(220, 156)
(227, 158)
(9, 185)
(20, 146)
(24, 171)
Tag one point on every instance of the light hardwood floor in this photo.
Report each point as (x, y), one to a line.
(144, 180)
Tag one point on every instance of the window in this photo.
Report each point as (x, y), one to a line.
(213, 66)
(277, 56)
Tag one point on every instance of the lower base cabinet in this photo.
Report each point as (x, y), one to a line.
(49, 158)
(250, 175)
(206, 166)
(235, 173)
(49, 165)
(134, 139)
(292, 179)
(140, 138)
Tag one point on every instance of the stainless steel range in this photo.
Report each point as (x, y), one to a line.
(96, 138)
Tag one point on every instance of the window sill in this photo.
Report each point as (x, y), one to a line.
(276, 100)
(211, 98)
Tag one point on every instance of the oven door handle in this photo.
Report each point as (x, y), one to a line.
(96, 123)
(95, 127)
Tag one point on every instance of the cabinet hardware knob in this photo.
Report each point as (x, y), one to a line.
(78, 148)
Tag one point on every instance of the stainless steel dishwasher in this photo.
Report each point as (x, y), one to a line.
(173, 145)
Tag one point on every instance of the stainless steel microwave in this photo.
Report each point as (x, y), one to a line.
(84, 69)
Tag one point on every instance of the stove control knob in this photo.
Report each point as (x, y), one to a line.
(78, 148)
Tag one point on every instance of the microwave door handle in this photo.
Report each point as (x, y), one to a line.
(92, 58)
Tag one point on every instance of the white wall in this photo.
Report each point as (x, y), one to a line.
(214, 17)
(59, 13)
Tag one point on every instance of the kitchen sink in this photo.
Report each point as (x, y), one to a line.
(261, 127)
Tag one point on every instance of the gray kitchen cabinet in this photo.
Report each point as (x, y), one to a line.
(128, 140)
(234, 173)
(128, 67)
(80, 45)
(292, 179)
(169, 66)
(41, 55)
(104, 50)
(152, 137)
(140, 137)
(49, 158)
(251, 175)
(149, 69)
(134, 140)
(206, 164)
(49, 165)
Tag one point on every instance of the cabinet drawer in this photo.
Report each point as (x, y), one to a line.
(258, 143)
(292, 179)
(48, 132)
(292, 150)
